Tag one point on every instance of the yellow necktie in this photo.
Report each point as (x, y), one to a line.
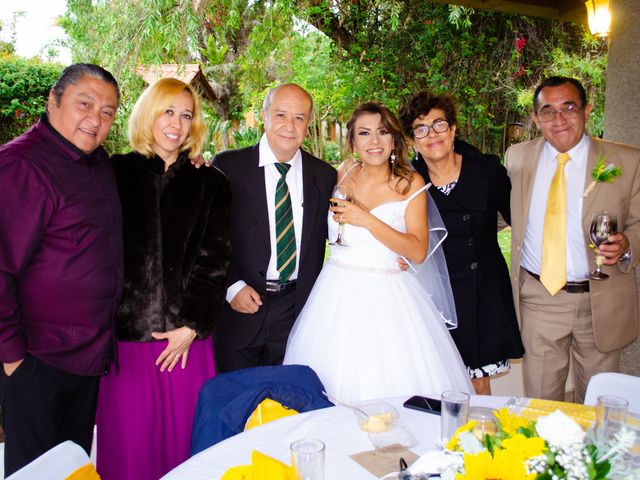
(553, 272)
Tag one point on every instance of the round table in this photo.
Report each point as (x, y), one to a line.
(335, 426)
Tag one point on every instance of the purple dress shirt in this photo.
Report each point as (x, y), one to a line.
(61, 260)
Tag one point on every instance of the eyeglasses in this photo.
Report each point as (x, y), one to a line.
(547, 113)
(439, 126)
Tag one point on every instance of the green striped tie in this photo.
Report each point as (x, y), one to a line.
(285, 234)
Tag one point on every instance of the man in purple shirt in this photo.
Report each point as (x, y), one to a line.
(60, 266)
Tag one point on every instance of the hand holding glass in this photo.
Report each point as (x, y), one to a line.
(340, 193)
(603, 224)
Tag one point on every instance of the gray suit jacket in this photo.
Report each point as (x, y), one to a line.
(614, 303)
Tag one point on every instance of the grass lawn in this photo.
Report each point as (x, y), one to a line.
(504, 239)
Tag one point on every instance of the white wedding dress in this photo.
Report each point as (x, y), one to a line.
(370, 330)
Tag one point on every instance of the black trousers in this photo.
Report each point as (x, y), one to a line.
(268, 346)
(43, 407)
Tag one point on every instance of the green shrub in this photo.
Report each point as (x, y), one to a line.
(332, 153)
(24, 87)
(246, 137)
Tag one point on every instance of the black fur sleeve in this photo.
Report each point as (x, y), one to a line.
(206, 285)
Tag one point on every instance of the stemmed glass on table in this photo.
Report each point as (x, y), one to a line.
(340, 193)
(603, 224)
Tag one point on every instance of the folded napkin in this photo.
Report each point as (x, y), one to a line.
(383, 461)
(533, 408)
(267, 411)
(88, 472)
(262, 467)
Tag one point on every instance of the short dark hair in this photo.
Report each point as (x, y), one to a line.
(556, 81)
(421, 104)
(73, 73)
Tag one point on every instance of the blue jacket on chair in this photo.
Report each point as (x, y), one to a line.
(226, 401)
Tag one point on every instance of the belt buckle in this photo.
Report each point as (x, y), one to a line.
(273, 287)
(577, 287)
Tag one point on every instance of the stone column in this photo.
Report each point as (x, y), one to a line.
(622, 106)
(622, 97)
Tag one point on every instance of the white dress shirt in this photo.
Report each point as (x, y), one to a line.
(575, 174)
(267, 162)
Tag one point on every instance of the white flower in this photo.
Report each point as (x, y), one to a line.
(559, 430)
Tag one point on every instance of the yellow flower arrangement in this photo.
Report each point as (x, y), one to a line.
(500, 466)
(510, 423)
(467, 427)
(551, 447)
(521, 447)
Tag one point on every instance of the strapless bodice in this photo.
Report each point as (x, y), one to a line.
(363, 250)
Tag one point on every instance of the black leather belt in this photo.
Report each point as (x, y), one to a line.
(570, 287)
(275, 288)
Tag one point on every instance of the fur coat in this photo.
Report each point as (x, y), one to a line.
(177, 245)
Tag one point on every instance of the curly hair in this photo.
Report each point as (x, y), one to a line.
(421, 104)
(401, 166)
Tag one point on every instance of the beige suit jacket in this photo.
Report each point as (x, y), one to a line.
(614, 305)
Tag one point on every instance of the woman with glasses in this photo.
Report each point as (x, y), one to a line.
(470, 189)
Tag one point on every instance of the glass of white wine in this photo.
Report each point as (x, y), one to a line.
(340, 193)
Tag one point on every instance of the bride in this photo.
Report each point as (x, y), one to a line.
(369, 329)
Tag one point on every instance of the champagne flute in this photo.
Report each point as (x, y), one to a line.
(603, 224)
(340, 193)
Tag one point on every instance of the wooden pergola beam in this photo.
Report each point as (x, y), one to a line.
(566, 10)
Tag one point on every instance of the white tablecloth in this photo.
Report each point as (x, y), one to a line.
(335, 426)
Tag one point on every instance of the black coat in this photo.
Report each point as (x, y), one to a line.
(176, 245)
(251, 240)
(487, 327)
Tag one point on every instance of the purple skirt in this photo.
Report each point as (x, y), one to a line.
(145, 416)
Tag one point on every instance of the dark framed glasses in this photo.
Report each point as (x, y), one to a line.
(546, 114)
(439, 126)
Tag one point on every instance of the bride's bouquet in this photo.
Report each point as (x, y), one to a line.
(553, 447)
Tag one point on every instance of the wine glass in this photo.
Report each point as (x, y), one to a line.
(603, 224)
(340, 193)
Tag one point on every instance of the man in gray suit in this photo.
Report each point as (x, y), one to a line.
(562, 313)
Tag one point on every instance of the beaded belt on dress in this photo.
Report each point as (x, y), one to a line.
(359, 268)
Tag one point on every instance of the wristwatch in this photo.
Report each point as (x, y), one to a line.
(626, 256)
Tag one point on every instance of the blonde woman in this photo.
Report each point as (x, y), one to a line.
(176, 252)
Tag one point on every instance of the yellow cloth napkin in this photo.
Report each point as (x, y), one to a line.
(267, 411)
(88, 472)
(584, 415)
(262, 467)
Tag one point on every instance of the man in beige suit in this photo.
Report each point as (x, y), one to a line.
(562, 314)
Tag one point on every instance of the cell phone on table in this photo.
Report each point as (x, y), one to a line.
(424, 404)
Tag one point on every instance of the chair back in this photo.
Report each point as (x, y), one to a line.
(55, 464)
(225, 402)
(626, 386)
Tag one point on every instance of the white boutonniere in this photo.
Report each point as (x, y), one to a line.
(602, 173)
